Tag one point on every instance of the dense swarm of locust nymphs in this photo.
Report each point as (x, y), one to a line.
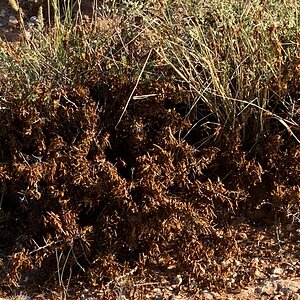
(97, 181)
(104, 196)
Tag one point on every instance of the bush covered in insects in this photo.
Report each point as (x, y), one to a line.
(147, 140)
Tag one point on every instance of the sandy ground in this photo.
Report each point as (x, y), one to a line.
(273, 288)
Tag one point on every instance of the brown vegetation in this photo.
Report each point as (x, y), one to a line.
(98, 181)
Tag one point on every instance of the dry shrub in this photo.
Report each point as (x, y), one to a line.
(85, 186)
(98, 196)
(94, 190)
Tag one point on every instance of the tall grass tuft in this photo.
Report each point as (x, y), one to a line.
(236, 57)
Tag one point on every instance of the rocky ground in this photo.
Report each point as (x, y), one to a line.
(273, 288)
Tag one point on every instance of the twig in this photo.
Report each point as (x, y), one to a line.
(43, 247)
(135, 87)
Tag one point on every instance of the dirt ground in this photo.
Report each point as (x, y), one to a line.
(273, 288)
(9, 19)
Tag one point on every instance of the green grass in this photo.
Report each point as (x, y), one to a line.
(234, 56)
(239, 58)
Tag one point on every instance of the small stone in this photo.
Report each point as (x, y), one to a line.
(217, 296)
(277, 271)
(30, 24)
(12, 21)
(208, 296)
(259, 274)
(269, 288)
(34, 20)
